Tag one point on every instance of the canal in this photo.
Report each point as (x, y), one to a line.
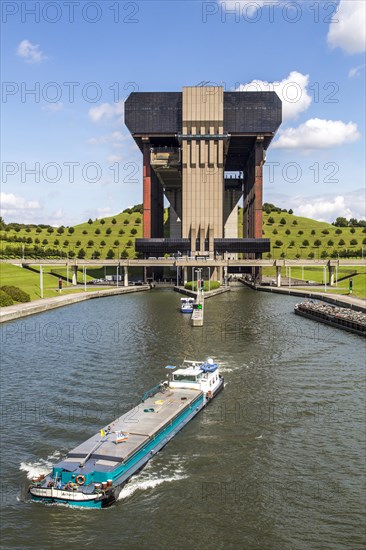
(277, 461)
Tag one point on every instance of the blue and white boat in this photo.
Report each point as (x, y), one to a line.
(186, 305)
(93, 474)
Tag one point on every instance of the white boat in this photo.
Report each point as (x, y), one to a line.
(186, 305)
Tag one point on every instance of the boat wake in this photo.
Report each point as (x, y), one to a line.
(42, 466)
(147, 480)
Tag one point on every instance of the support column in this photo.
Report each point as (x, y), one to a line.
(74, 274)
(278, 276)
(125, 276)
(331, 275)
(185, 275)
(146, 190)
(220, 274)
(145, 274)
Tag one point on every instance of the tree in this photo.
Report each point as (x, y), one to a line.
(279, 243)
(364, 241)
(338, 231)
(36, 240)
(341, 222)
(116, 242)
(129, 243)
(283, 221)
(121, 232)
(341, 242)
(85, 232)
(114, 221)
(110, 254)
(270, 219)
(78, 243)
(353, 230)
(275, 232)
(102, 243)
(137, 221)
(133, 231)
(288, 232)
(124, 254)
(353, 221)
(325, 232)
(353, 242)
(97, 231)
(45, 241)
(324, 254)
(317, 242)
(81, 254)
(127, 211)
(305, 242)
(102, 221)
(313, 232)
(330, 242)
(90, 221)
(57, 242)
(108, 231)
(292, 243)
(90, 242)
(60, 229)
(311, 255)
(294, 222)
(71, 254)
(29, 240)
(50, 230)
(126, 221)
(300, 232)
(66, 242)
(38, 230)
(291, 211)
(71, 230)
(95, 255)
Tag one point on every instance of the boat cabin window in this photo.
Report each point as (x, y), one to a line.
(184, 378)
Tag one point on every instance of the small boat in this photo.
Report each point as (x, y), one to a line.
(186, 305)
(93, 474)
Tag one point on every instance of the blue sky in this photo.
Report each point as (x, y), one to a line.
(66, 154)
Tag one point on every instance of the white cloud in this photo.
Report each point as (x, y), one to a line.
(53, 107)
(317, 133)
(324, 207)
(30, 52)
(356, 71)
(107, 111)
(16, 208)
(292, 91)
(116, 138)
(97, 213)
(347, 31)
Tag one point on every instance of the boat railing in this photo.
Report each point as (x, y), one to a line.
(156, 389)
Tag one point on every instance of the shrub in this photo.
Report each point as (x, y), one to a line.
(133, 231)
(305, 242)
(324, 254)
(38, 230)
(325, 232)
(114, 221)
(288, 232)
(341, 242)
(97, 231)
(213, 285)
(16, 293)
(90, 221)
(353, 230)
(275, 232)
(5, 299)
(282, 221)
(317, 242)
(121, 232)
(95, 255)
(90, 242)
(338, 231)
(78, 243)
(116, 242)
(137, 221)
(129, 243)
(294, 222)
(126, 221)
(108, 231)
(353, 242)
(313, 232)
(124, 254)
(45, 241)
(66, 242)
(60, 230)
(270, 219)
(330, 242)
(311, 255)
(279, 243)
(102, 243)
(110, 254)
(102, 221)
(81, 254)
(85, 232)
(50, 230)
(71, 230)
(300, 232)
(292, 243)
(57, 242)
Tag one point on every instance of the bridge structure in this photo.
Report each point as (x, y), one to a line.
(203, 151)
(186, 267)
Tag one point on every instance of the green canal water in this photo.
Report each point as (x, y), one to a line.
(277, 461)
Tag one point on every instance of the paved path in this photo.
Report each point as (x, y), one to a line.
(17, 311)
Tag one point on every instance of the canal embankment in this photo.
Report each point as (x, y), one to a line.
(17, 311)
(358, 304)
(206, 294)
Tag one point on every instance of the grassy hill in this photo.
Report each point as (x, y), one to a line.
(113, 237)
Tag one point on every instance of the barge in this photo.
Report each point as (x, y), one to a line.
(186, 305)
(93, 473)
(340, 317)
